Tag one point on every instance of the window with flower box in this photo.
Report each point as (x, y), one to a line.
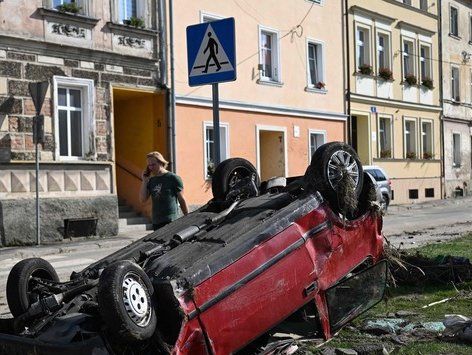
(363, 47)
(410, 141)
(408, 57)
(315, 67)
(427, 139)
(385, 137)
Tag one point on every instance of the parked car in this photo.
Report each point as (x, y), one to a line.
(383, 182)
(221, 278)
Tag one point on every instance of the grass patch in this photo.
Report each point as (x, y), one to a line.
(412, 298)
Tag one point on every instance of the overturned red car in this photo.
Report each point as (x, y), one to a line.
(221, 279)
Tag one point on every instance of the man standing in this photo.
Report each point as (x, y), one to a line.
(165, 189)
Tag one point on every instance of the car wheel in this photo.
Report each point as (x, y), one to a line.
(228, 173)
(336, 172)
(19, 283)
(125, 303)
(384, 203)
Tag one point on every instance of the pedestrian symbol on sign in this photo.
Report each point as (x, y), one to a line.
(211, 57)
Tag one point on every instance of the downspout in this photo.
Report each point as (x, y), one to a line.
(347, 77)
(441, 115)
(161, 14)
(171, 118)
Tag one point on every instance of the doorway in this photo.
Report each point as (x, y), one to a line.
(140, 126)
(361, 137)
(271, 151)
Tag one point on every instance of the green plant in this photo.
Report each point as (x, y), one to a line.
(70, 7)
(320, 85)
(427, 155)
(428, 83)
(135, 22)
(411, 155)
(385, 73)
(387, 153)
(411, 79)
(365, 69)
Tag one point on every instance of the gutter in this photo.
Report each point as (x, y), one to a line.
(347, 78)
(171, 115)
(441, 115)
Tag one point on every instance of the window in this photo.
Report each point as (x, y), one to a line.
(453, 21)
(410, 139)
(424, 5)
(269, 56)
(362, 46)
(427, 139)
(455, 84)
(429, 192)
(408, 58)
(317, 139)
(73, 117)
(413, 194)
(209, 144)
(456, 150)
(425, 62)
(206, 17)
(126, 9)
(385, 137)
(81, 4)
(315, 65)
(407, 2)
(383, 50)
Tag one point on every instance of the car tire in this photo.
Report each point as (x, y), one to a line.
(228, 173)
(125, 302)
(329, 165)
(19, 297)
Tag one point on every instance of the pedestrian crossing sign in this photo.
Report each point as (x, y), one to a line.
(211, 52)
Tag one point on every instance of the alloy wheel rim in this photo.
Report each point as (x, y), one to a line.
(341, 163)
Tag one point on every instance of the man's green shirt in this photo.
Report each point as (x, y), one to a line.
(163, 190)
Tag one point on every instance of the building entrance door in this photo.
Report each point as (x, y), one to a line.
(271, 152)
(361, 137)
(139, 126)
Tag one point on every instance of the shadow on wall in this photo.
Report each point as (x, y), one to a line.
(2, 229)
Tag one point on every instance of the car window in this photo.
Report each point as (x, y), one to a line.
(380, 176)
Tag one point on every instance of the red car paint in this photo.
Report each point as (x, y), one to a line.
(319, 249)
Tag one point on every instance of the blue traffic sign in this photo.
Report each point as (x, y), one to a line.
(211, 52)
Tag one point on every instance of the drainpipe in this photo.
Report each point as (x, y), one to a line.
(441, 115)
(171, 118)
(347, 76)
(161, 26)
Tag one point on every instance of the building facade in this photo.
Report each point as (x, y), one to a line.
(104, 109)
(456, 30)
(288, 97)
(394, 80)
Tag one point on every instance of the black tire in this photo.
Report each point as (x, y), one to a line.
(19, 295)
(370, 195)
(131, 320)
(329, 165)
(228, 173)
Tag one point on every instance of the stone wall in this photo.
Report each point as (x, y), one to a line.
(18, 69)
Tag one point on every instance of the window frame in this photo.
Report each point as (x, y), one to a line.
(428, 65)
(366, 48)
(453, 31)
(415, 121)
(276, 75)
(455, 96)
(209, 124)
(456, 164)
(321, 70)
(379, 145)
(84, 4)
(210, 16)
(387, 55)
(142, 11)
(321, 132)
(431, 122)
(87, 87)
(424, 5)
(412, 55)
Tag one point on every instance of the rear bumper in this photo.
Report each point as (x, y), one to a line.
(12, 344)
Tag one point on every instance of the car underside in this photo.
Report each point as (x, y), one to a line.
(219, 279)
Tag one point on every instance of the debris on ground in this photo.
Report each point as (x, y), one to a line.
(458, 327)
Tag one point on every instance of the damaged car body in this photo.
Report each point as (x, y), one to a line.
(223, 276)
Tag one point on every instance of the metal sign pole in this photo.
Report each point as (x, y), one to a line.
(216, 124)
(38, 93)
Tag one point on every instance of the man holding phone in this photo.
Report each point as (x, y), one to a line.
(165, 189)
